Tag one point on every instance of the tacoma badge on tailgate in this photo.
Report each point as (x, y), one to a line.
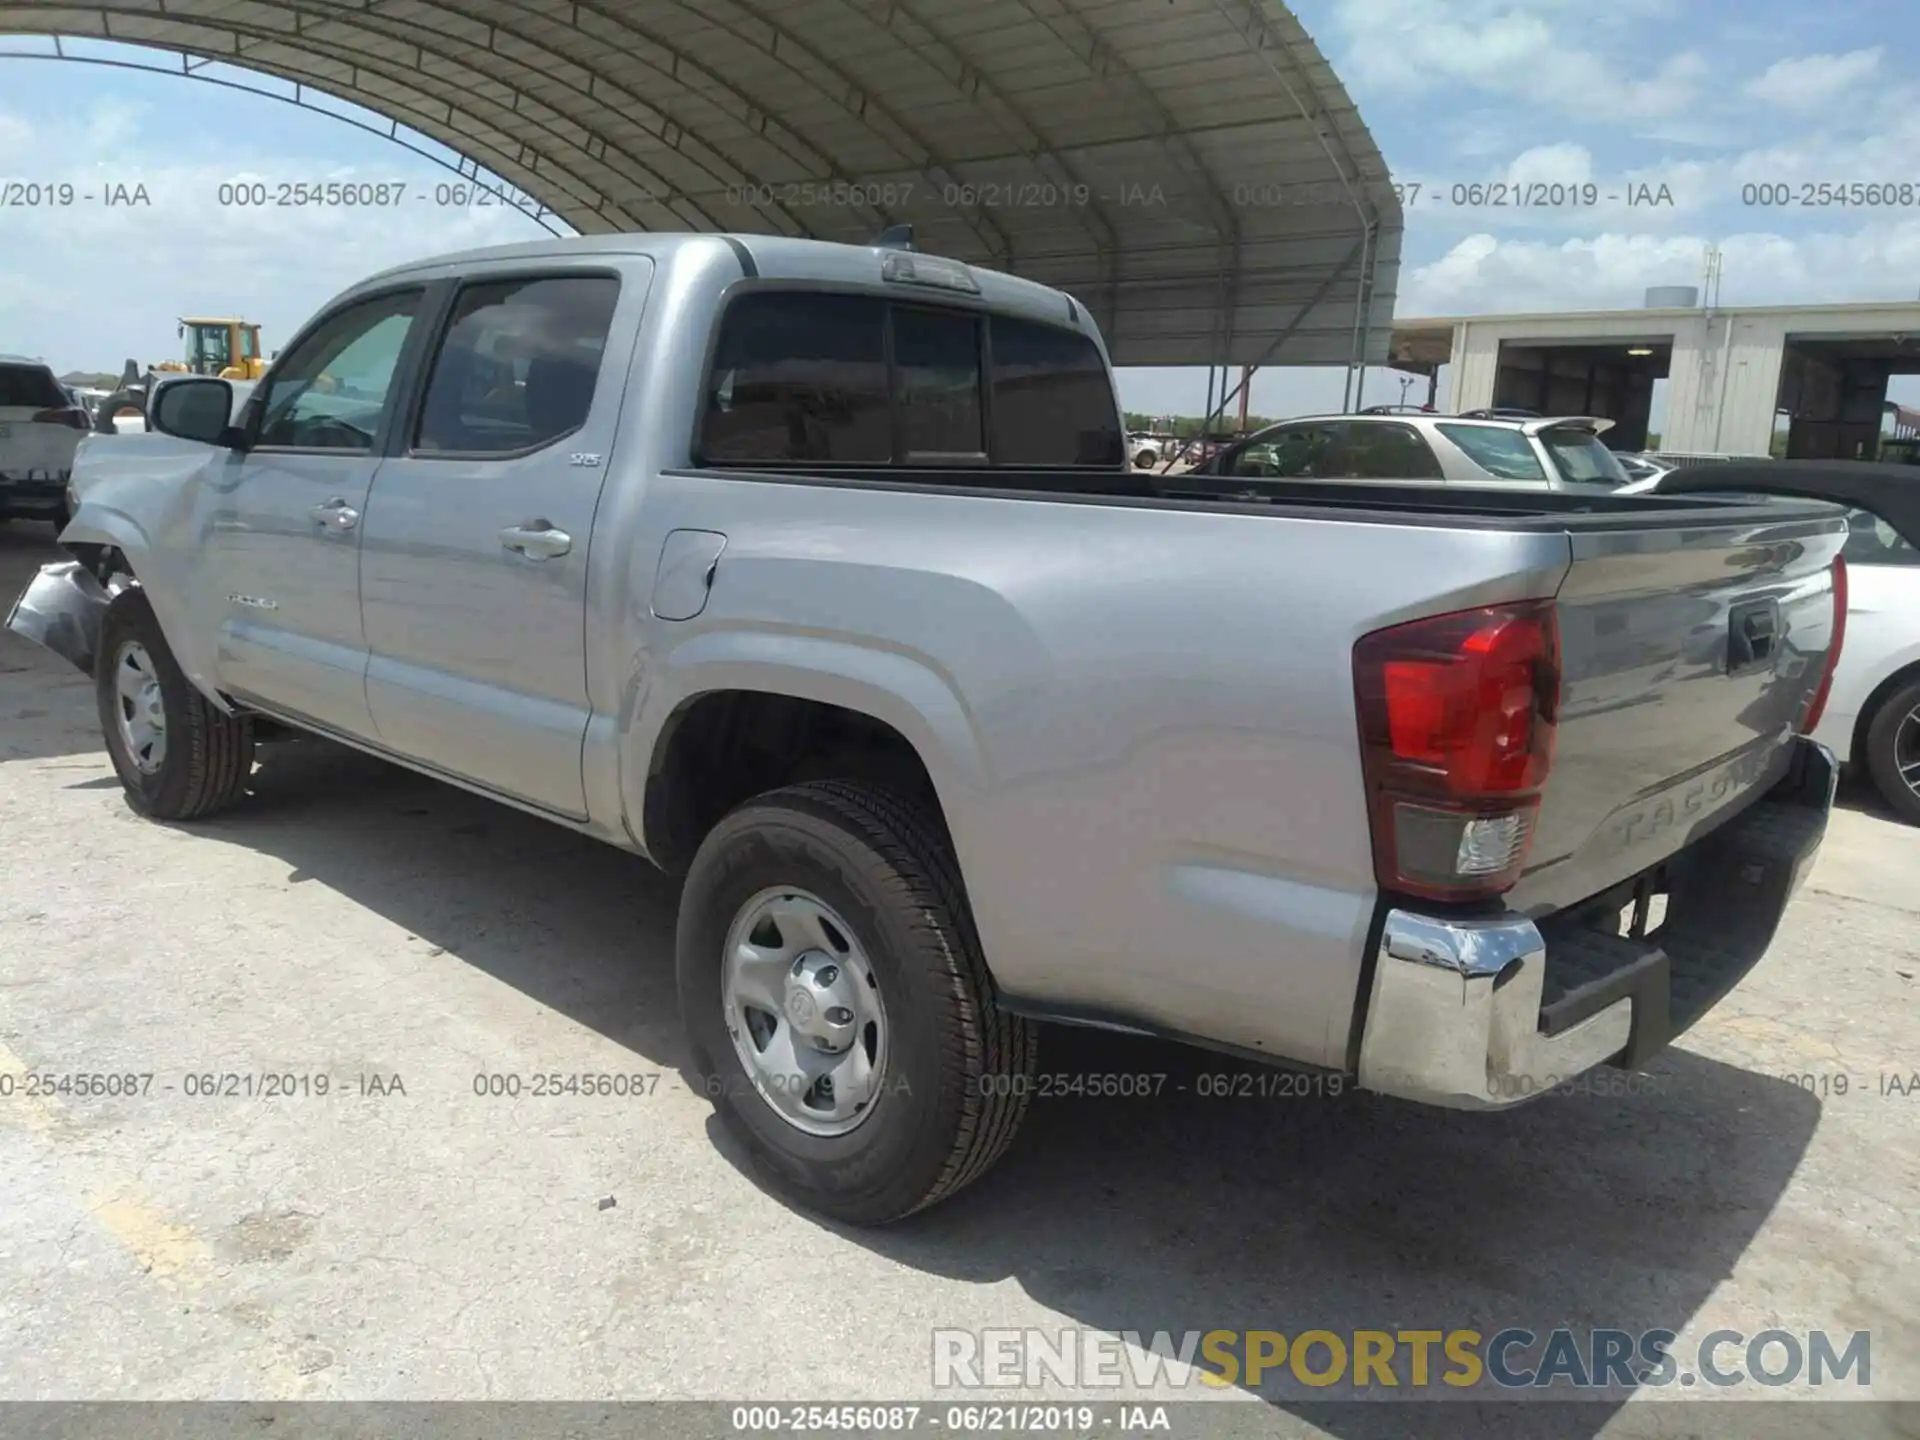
(1689, 800)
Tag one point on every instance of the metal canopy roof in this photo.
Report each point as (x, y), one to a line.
(1191, 170)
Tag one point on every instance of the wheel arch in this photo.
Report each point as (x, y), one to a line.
(110, 541)
(1889, 685)
(719, 747)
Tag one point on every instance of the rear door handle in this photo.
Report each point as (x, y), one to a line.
(537, 540)
(335, 515)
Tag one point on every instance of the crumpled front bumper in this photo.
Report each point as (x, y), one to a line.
(63, 608)
(1485, 1013)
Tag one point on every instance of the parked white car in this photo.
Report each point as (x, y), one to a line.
(40, 428)
(1872, 715)
(1144, 450)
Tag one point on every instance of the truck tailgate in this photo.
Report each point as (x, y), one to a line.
(1689, 655)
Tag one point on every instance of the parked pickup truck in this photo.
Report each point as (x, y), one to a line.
(819, 576)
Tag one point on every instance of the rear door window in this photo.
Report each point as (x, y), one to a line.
(1503, 452)
(1389, 452)
(1311, 451)
(517, 366)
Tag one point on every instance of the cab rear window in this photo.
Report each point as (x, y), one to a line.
(806, 376)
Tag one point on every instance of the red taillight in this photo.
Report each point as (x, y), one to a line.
(1818, 705)
(65, 415)
(1457, 714)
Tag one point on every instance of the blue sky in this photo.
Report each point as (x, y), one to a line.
(1702, 98)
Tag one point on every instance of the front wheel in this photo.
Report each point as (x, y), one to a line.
(1893, 751)
(841, 1017)
(177, 756)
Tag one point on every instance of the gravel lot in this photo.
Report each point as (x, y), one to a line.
(355, 922)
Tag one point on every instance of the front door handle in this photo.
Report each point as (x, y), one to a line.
(537, 540)
(335, 515)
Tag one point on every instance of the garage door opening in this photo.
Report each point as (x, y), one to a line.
(1612, 381)
(1833, 396)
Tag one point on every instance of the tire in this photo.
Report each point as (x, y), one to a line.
(204, 758)
(103, 414)
(1145, 460)
(1893, 739)
(954, 1082)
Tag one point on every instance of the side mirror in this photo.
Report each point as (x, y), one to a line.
(199, 409)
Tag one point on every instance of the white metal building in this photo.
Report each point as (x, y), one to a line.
(1733, 374)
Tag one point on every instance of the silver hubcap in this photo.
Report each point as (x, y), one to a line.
(1906, 750)
(138, 707)
(803, 1008)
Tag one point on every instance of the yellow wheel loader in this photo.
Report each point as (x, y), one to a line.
(229, 349)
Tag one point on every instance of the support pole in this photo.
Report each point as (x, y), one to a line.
(1273, 349)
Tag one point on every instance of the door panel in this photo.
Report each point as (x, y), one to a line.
(285, 517)
(474, 558)
(287, 564)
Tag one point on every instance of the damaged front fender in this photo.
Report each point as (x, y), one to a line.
(63, 609)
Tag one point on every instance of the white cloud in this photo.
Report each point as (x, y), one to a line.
(1809, 83)
(111, 124)
(1485, 274)
(1562, 164)
(124, 273)
(1505, 47)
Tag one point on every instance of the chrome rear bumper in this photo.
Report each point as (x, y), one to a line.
(1455, 1016)
(62, 609)
(1485, 1013)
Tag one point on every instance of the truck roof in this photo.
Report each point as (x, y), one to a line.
(784, 257)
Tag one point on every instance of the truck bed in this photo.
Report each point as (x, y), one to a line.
(1660, 738)
(1459, 506)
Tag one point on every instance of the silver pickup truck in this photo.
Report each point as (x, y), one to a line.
(819, 575)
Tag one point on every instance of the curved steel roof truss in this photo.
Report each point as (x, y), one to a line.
(1192, 170)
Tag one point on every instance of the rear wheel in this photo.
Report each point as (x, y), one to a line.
(1893, 751)
(840, 1013)
(177, 756)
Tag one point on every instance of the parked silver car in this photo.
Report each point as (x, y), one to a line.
(1555, 452)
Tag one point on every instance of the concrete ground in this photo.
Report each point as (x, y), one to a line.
(418, 1240)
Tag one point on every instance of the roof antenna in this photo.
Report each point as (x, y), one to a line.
(896, 237)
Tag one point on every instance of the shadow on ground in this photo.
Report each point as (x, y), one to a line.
(581, 927)
(1180, 1211)
(1858, 792)
(1256, 1212)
